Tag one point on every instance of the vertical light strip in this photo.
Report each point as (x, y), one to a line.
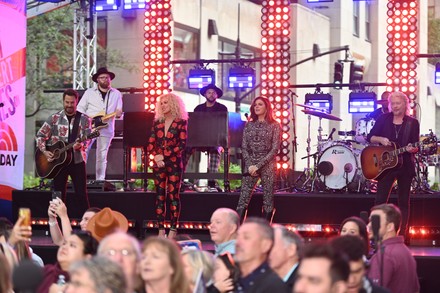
(275, 67)
(157, 48)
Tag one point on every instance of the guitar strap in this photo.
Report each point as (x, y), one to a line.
(406, 132)
(74, 132)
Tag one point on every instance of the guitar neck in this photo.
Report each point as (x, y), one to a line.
(70, 145)
(402, 150)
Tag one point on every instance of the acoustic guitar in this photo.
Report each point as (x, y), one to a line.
(98, 121)
(375, 159)
(62, 156)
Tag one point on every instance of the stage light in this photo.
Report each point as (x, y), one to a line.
(362, 102)
(437, 73)
(241, 77)
(107, 5)
(134, 4)
(198, 78)
(322, 101)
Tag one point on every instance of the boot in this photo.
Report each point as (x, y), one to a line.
(242, 213)
(269, 215)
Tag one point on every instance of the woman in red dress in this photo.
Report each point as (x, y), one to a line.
(166, 144)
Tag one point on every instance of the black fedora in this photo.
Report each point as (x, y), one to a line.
(102, 70)
(211, 86)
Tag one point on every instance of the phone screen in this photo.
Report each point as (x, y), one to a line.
(56, 194)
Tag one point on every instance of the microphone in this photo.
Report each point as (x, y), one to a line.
(27, 276)
(348, 167)
(247, 116)
(364, 216)
(375, 224)
(330, 136)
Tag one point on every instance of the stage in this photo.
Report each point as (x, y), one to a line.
(321, 209)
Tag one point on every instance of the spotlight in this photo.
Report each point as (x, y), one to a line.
(107, 5)
(199, 78)
(322, 101)
(437, 73)
(241, 77)
(134, 4)
(361, 102)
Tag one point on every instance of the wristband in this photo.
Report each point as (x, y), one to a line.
(51, 224)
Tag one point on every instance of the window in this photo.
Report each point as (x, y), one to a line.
(367, 21)
(186, 47)
(356, 18)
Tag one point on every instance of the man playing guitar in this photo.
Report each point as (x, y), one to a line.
(67, 126)
(399, 128)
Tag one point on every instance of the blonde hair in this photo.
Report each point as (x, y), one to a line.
(200, 261)
(403, 97)
(176, 104)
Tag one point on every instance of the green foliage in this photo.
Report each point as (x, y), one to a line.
(30, 181)
(435, 186)
(434, 39)
(233, 168)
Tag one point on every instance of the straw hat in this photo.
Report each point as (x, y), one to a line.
(106, 222)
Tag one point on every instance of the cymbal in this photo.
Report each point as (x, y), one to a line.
(308, 107)
(322, 115)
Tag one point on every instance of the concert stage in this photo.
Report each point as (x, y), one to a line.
(296, 208)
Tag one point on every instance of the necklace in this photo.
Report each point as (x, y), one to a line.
(397, 128)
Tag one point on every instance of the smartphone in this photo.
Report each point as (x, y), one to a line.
(25, 213)
(56, 194)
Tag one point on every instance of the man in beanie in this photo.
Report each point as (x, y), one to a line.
(104, 103)
(211, 93)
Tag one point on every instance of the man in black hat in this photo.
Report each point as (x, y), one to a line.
(104, 103)
(211, 93)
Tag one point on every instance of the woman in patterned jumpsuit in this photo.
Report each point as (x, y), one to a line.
(261, 143)
(166, 144)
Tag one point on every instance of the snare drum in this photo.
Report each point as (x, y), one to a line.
(338, 166)
(363, 127)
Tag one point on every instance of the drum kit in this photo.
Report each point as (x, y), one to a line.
(336, 163)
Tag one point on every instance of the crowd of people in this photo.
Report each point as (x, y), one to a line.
(253, 256)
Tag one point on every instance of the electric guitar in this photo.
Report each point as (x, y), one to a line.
(98, 120)
(375, 160)
(61, 157)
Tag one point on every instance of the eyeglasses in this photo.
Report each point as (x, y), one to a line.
(122, 252)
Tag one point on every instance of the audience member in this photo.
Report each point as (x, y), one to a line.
(161, 267)
(254, 242)
(5, 275)
(392, 266)
(78, 246)
(124, 250)
(196, 262)
(322, 269)
(57, 209)
(357, 227)
(106, 222)
(354, 248)
(98, 275)
(223, 230)
(285, 254)
(225, 276)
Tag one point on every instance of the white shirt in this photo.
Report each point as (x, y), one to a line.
(92, 104)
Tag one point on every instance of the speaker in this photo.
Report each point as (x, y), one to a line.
(137, 128)
(115, 161)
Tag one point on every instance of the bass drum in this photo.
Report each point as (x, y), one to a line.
(363, 127)
(338, 167)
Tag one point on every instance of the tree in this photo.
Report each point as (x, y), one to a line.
(434, 39)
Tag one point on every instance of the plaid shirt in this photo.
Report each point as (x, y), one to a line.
(56, 128)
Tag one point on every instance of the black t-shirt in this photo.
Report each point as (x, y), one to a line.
(217, 107)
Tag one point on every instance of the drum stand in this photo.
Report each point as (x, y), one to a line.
(420, 182)
(307, 180)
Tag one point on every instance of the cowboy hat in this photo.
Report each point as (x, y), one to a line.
(211, 86)
(106, 222)
(102, 70)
